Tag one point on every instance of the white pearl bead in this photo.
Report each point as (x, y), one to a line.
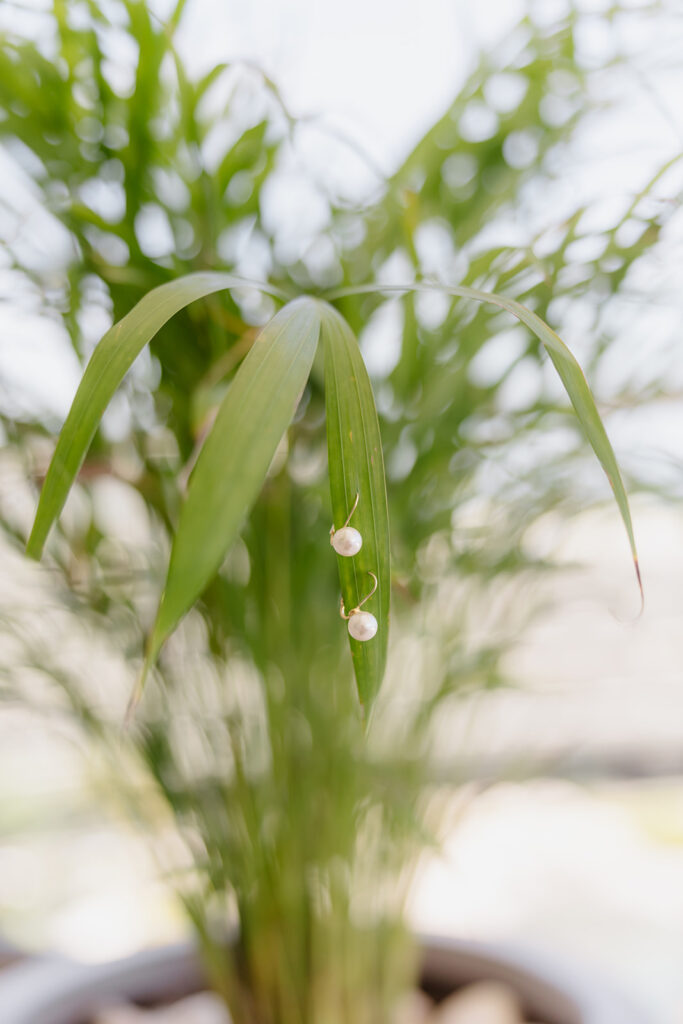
(362, 625)
(346, 541)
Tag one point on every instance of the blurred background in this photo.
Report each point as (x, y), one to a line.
(567, 755)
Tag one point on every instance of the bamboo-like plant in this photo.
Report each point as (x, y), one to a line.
(303, 823)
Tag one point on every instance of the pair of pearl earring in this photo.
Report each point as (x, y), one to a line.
(347, 542)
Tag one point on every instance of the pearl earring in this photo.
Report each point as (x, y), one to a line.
(346, 541)
(362, 625)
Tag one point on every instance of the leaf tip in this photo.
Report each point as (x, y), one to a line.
(36, 541)
(34, 549)
(136, 695)
(639, 578)
(151, 651)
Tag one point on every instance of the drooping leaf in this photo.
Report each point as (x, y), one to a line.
(111, 360)
(234, 460)
(570, 374)
(356, 466)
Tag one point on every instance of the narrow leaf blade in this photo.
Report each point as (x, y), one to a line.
(235, 458)
(581, 397)
(109, 363)
(356, 466)
(570, 374)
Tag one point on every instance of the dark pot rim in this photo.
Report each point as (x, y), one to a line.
(54, 990)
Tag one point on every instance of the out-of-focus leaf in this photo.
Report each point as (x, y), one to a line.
(356, 466)
(570, 374)
(175, 18)
(110, 362)
(244, 154)
(234, 460)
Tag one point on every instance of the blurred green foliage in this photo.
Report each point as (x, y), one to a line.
(298, 825)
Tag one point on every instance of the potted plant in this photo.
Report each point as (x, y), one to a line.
(298, 777)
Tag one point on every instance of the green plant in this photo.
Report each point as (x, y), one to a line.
(302, 801)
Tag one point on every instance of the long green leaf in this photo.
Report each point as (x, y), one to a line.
(570, 374)
(111, 360)
(356, 466)
(234, 460)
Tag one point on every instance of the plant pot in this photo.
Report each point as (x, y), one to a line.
(58, 991)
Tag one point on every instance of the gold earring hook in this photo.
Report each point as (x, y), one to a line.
(353, 509)
(348, 518)
(342, 610)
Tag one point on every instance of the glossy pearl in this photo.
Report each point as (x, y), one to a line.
(362, 625)
(346, 541)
